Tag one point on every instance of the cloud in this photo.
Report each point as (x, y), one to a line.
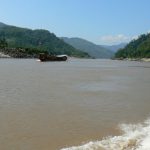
(116, 39)
(148, 31)
(135, 37)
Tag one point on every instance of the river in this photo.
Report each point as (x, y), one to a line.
(80, 104)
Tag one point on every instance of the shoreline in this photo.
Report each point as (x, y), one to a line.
(22, 54)
(134, 59)
(16, 53)
(2, 55)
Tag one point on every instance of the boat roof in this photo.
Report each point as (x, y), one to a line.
(61, 55)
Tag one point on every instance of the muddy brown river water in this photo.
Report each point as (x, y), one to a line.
(56, 105)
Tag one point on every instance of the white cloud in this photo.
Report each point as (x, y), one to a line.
(135, 37)
(148, 31)
(115, 39)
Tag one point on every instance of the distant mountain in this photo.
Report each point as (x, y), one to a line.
(2, 24)
(39, 39)
(115, 48)
(139, 48)
(92, 49)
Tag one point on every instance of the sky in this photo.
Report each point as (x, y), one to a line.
(104, 22)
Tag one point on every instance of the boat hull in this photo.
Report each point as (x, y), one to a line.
(46, 57)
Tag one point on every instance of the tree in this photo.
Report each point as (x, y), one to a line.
(3, 43)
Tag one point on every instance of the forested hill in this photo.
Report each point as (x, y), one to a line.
(139, 48)
(96, 51)
(42, 40)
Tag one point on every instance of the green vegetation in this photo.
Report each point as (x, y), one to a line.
(35, 41)
(3, 43)
(139, 48)
(95, 51)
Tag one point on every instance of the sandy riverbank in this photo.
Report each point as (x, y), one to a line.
(145, 59)
(134, 59)
(4, 56)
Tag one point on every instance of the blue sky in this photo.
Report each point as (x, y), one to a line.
(100, 21)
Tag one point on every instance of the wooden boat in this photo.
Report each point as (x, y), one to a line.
(47, 57)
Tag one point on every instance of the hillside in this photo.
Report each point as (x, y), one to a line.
(2, 24)
(139, 48)
(92, 49)
(39, 39)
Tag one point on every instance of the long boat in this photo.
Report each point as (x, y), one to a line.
(47, 57)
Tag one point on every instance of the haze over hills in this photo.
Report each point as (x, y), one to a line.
(92, 49)
(115, 48)
(39, 39)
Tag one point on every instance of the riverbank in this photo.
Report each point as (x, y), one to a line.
(134, 59)
(145, 59)
(25, 53)
(18, 53)
(2, 55)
